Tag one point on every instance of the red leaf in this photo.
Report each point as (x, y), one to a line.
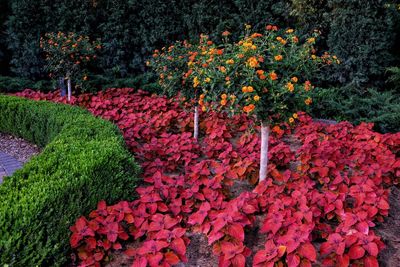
(343, 261)
(236, 231)
(91, 243)
(117, 246)
(371, 262)
(363, 227)
(170, 222)
(383, 205)
(112, 231)
(140, 262)
(307, 250)
(326, 248)
(271, 226)
(130, 252)
(249, 209)
(171, 258)
(98, 256)
(305, 263)
(356, 252)
(260, 257)
(239, 261)
(372, 249)
(214, 236)
(198, 217)
(293, 260)
(154, 260)
(219, 223)
(74, 240)
(178, 245)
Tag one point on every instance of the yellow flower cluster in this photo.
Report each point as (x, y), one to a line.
(281, 40)
(196, 82)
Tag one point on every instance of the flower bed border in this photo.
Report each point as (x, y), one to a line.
(84, 160)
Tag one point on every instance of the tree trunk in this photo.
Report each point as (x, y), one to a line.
(196, 122)
(264, 151)
(61, 86)
(69, 88)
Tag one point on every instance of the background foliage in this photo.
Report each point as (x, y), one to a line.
(363, 34)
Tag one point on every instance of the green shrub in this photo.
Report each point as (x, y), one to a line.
(15, 84)
(362, 34)
(83, 161)
(348, 103)
(146, 81)
(394, 78)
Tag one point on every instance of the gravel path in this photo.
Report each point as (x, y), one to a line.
(17, 147)
(14, 152)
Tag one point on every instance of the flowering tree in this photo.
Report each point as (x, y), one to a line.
(174, 68)
(171, 65)
(264, 75)
(67, 54)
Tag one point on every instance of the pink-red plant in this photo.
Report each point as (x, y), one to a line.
(318, 204)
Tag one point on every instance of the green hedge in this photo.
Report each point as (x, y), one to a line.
(83, 161)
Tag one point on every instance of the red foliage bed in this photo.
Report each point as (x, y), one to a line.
(319, 204)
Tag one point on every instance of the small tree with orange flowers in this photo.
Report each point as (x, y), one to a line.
(67, 54)
(173, 67)
(264, 75)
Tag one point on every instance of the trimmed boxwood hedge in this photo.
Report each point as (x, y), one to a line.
(83, 161)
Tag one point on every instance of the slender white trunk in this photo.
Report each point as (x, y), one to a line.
(61, 85)
(196, 122)
(69, 88)
(264, 151)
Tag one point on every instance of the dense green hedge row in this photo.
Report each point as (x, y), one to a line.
(363, 33)
(83, 161)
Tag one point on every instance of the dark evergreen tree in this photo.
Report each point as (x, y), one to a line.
(4, 54)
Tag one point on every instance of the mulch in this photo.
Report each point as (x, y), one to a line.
(389, 231)
(17, 147)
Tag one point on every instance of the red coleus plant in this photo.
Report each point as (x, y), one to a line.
(330, 191)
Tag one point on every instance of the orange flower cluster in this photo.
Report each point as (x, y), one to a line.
(247, 89)
(271, 28)
(249, 108)
(273, 76)
(252, 62)
(307, 86)
(261, 74)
